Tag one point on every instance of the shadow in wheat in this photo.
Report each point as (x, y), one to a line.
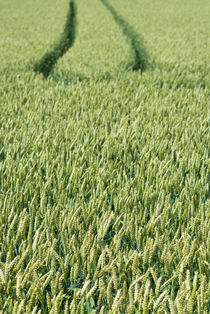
(47, 62)
(141, 61)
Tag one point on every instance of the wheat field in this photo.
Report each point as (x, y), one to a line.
(104, 156)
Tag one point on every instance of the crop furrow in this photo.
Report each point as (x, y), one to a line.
(141, 61)
(48, 61)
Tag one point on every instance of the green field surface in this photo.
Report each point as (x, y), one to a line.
(104, 156)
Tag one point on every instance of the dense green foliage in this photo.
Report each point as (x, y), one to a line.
(104, 170)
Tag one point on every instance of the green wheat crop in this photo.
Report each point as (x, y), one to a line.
(104, 171)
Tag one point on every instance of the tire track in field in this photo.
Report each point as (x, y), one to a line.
(141, 61)
(48, 61)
